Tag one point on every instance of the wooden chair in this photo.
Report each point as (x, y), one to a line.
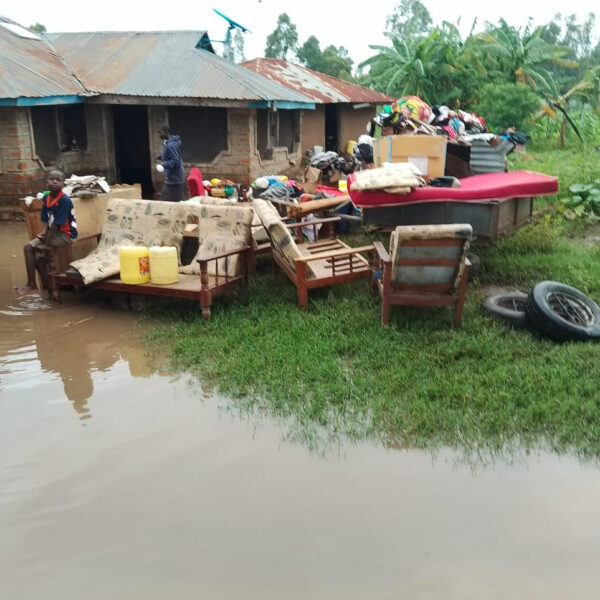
(315, 264)
(426, 266)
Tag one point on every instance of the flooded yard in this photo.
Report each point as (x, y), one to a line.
(120, 482)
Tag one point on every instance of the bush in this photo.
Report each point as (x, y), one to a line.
(507, 105)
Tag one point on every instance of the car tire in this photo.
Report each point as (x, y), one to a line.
(562, 313)
(509, 307)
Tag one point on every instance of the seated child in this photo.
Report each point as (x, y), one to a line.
(60, 229)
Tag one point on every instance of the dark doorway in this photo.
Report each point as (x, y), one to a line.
(132, 147)
(331, 128)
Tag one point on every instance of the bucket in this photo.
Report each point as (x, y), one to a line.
(164, 267)
(350, 146)
(135, 266)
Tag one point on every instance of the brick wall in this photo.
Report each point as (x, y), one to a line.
(23, 174)
(20, 173)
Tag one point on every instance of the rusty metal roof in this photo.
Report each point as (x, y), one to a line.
(31, 68)
(164, 64)
(323, 89)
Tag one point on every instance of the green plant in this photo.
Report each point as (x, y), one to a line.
(584, 202)
(507, 104)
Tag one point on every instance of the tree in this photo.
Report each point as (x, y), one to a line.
(283, 40)
(38, 28)
(233, 49)
(410, 18)
(438, 67)
(331, 61)
(517, 55)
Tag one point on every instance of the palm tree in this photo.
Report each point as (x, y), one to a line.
(520, 55)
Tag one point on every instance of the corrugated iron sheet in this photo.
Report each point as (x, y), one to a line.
(162, 64)
(323, 89)
(486, 159)
(31, 68)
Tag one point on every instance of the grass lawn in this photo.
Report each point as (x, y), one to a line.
(335, 372)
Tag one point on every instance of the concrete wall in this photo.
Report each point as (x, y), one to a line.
(353, 122)
(313, 128)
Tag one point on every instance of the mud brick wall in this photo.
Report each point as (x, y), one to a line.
(23, 174)
(98, 158)
(353, 122)
(20, 173)
(241, 161)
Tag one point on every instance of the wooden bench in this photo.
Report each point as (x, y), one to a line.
(203, 287)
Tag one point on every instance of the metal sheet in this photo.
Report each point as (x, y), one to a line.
(31, 68)
(163, 64)
(323, 89)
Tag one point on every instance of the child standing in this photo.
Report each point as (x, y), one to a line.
(60, 229)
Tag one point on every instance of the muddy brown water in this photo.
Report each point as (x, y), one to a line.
(120, 483)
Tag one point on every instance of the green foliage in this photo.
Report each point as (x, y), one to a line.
(439, 67)
(331, 61)
(233, 49)
(38, 28)
(506, 105)
(584, 202)
(410, 18)
(283, 41)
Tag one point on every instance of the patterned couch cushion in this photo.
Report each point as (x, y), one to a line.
(216, 224)
(281, 239)
(134, 223)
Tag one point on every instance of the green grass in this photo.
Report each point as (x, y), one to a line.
(335, 372)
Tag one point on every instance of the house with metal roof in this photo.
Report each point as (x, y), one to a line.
(343, 109)
(92, 103)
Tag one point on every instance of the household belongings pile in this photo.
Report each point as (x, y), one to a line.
(472, 148)
(83, 186)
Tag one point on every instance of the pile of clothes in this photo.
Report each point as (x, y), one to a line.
(410, 114)
(83, 186)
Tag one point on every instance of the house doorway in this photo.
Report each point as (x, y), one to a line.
(331, 128)
(132, 147)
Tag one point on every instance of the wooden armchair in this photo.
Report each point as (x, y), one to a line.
(311, 265)
(428, 266)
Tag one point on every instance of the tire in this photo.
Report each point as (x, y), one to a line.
(562, 313)
(509, 307)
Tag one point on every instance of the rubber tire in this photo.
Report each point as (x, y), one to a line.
(546, 321)
(509, 307)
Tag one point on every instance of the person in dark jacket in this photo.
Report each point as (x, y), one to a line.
(172, 165)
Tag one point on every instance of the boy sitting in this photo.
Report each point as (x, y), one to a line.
(60, 229)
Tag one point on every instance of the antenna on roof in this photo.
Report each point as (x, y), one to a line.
(232, 25)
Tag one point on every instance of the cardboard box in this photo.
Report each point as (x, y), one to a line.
(427, 152)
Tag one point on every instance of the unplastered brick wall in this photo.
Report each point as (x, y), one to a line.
(98, 157)
(282, 161)
(23, 174)
(20, 173)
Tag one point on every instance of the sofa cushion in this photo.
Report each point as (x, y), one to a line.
(281, 239)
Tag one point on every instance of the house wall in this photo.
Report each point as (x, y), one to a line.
(23, 174)
(353, 122)
(241, 161)
(313, 128)
(20, 173)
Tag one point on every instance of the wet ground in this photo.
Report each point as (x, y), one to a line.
(120, 483)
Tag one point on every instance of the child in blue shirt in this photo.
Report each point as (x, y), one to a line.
(60, 229)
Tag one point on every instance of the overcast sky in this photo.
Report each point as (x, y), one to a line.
(353, 25)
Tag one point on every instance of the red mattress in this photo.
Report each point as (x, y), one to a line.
(479, 188)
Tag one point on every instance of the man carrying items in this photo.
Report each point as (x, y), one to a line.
(60, 229)
(172, 166)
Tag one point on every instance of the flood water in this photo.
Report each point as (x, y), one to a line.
(120, 483)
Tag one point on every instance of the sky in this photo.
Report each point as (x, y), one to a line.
(354, 25)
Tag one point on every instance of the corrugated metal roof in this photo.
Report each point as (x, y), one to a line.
(323, 89)
(31, 68)
(162, 64)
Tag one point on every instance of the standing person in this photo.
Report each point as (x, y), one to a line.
(60, 229)
(172, 164)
